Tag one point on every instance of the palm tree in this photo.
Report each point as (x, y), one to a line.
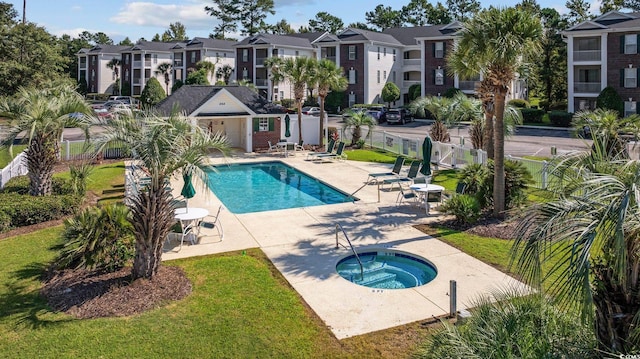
(298, 71)
(208, 67)
(43, 113)
(440, 109)
(224, 72)
(496, 42)
(328, 77)
(114, 65)
(165, 70)
(608, 127)
(590, 233)
(162, 147)
(355, 124)
(273, 64)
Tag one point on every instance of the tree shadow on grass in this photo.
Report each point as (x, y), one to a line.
(21, 298)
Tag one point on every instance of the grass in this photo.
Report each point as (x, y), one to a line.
(240, 307)
(105, 181)
(5, 155)
(371, 155)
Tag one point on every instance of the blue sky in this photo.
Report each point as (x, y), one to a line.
(136, 19)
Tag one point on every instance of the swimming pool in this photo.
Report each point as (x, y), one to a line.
(386, 269)
(268, 186)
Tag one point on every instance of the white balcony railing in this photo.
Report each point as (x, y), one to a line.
(261, 82)
(137, 81)
(260, 61)
(177, 63)
(137, 64)
(586, 55)
(468, 85)
(586, 87)
(411, 62)
(408, 83)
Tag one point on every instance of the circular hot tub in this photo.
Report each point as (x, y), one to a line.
(386, 269)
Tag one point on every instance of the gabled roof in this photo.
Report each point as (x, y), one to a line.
(355, 35)
(190, 98)
(408, 35)
(105, 49)
(208, 43)
(153, 46)
(272, 39)
(311, 36)
(613, 20)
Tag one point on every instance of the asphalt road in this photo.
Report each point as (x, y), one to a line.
(527, 141)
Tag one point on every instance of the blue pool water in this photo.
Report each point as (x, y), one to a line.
(267, 186)
(387, 270)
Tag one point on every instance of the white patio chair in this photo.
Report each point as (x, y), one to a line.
(212, 222)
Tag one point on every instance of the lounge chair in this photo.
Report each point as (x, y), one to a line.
(404, 194)
(330, 146)
(411, 175)
(339, 155)
(212, 222)
(272, 148)
(373, 178)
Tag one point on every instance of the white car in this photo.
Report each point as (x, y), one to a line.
(314, 111)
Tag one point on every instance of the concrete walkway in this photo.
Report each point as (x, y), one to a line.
(301, 244)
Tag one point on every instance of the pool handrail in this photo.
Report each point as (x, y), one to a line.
(338, 226)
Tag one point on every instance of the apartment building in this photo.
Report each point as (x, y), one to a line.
(139, 63)
(92, 67)
(604, 52)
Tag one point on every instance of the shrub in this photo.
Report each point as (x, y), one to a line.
(558, 106)
(79, 175)
(414, 91)
(452, 92)
(544, 104)
(464, 207)
(152, 92)
(609, 99)
(20, 185)
(176, 85)
(531, 115)
(519, 103)
(287, 102)
(479, 181)
(25, 210)
(561, 118)
(98, 238)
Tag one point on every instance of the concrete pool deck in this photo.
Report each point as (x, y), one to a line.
(301, 244)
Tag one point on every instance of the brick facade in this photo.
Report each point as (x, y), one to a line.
(261, 138)
(241, 64)
(358, 66)
(617, 61)
(431, 64)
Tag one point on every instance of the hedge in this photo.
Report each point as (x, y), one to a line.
(519, 103)
(532, 115)
(24, 210)
(561, 118)
(20, 185)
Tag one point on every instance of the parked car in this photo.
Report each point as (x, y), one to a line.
(305, 109)
(102, 113)
(314, 111)
(350, 111)
(379, 113)
(399, 115)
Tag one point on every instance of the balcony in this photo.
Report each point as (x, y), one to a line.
(411, 62)
(586, 55)
(147, 63)
(137, 81)
(587, 87)
(468, 85)
(261, 82)
(137, 64)
(260, 61)
(330, 58)
(408, 83)
(177, 63)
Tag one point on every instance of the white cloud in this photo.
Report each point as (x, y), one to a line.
(150, 14)
(77, 31)
(285, 3)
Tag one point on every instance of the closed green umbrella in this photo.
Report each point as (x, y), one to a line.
(187, 190)
(287, 126)
(427, 145)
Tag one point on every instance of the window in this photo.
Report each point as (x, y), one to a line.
(155, 58)
(352, 76)
(630, 108)
(439, 77)
(281, 94)
(93, 74)
(297, 53)
(126, 59)
(631, 44)
(245, 74)
(193, 56)
(394, 54)
(438, 51)
(384, 51)
(393, 76)
(352, 99)
(630, 77)
(384, 76)
(263, 124)
(378, 76)
(93, 60)
(378, 54)
(352, 52)
(245, 55)
(126, 73)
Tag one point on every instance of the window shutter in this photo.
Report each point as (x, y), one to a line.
(637, 78)
(355, 77)
(433, 48)
(444, 49)
(433, 77)
(444, 76)
(622, 44)
(271, 123)
(256, 125)
(622, 78)
(355, 52)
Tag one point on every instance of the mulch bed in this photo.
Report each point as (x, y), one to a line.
(87, 294)
(485, 227)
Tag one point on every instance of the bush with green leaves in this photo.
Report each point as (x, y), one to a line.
(561, 118)
(25, 210)
(79, 175)
(415, 91)
(98, 238)
(152, 92)
(609, 99)
(479, 181)
(464, 207)
(451, 92)
(513, 325)
(519, 103)
(176, 85)
(20, 185)
(532, 115)
(199, 77)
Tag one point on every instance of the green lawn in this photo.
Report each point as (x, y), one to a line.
(5, 156)
(371, 155)
(105, 181)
